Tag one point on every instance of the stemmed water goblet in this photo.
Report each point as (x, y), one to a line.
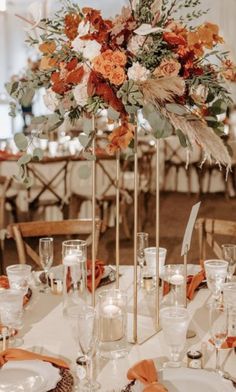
(229, 254)
(46, 257)
(87, 335)
(142, 243)
(216, 274)
(218, 329)
(174, 322)
(11, 312)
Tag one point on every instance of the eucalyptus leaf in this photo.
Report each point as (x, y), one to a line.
(21, 141)
(38, 154)
(113, 114)
(176, 109)
(24, 159)
(38, 120)
(84, 172)
(28, 182)
(84, 139)
(89, 156)
(27, 98)
(182, 138)
(87, 125)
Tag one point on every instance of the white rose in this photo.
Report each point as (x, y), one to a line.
(135, 43)
(89, 49)
(199, 94)
(81, 91)
(50, 100)
(83, 28)
(138, 73)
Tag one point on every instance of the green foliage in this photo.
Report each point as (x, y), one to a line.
(161, 127)
(21, 141)
(131, 96)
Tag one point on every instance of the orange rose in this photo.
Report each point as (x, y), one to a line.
(107, 68)
(97, 63)
(108, 55)
(118, 76)
(119, 58)
(168, 67)
(174, 39)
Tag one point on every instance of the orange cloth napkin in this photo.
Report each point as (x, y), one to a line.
(17, 354)
(4, 283)
(230, 342)
(145, 372)
(99, 269)
(193, 282)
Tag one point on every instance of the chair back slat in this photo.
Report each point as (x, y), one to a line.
(208, 229)
(22, 230)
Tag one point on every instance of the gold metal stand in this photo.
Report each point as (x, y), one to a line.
(135, 303)
(117, 217)
(93, 213)
(157, 291)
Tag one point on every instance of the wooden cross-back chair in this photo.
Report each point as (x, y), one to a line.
(71, 227)
(208, 229)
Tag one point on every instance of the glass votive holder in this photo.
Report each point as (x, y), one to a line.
(149, 270)
(19, 276)
(112, 324)
(229, 296)
(173, 275)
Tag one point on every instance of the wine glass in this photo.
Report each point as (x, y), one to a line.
(87, 335)
(46, 257)
(216, 273)
(11, 312)
(174, 322)
(218, 328)
(142, 243)
(229, 254)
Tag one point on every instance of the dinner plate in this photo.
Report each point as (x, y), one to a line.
(194, 380)
(39, 376)
(186, 380)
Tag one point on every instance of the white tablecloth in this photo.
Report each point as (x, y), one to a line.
(46, 331)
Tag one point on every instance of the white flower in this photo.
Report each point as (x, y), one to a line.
(89, 49)
(199, 94)
(146, 29)
(135, 43)
(50, 100)
(138, 73)
(83, 28)
(81, 91)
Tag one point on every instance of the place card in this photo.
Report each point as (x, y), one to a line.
(189, 228)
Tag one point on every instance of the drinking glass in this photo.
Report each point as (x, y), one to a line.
(11, 312)
(87, 336)
(216, 273)
(46, 257)
(142, 243)
(149, 271)
(218, 328)
(174, 322)
(229, 295)
(74, 255)
(19, 277)
(173, 274)
(229, 254)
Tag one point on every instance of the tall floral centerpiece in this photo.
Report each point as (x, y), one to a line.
(145, 59)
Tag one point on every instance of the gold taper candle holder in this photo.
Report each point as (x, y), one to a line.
(93, 212)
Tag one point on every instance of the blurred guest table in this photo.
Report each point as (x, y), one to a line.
(48, 332)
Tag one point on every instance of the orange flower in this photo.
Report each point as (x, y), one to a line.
(106, 68)
(168, 67)
(118, 76)
(174, 39)
(47, 63)
(121, 137)
(47, 47)
(71, 25)
(75, 76)
(108, 55)
(119, 58)
(97, 63)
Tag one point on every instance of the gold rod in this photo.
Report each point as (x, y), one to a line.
(135, 320)
(185, 274)
(157, 292)
(93, 213)
(117, 217)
